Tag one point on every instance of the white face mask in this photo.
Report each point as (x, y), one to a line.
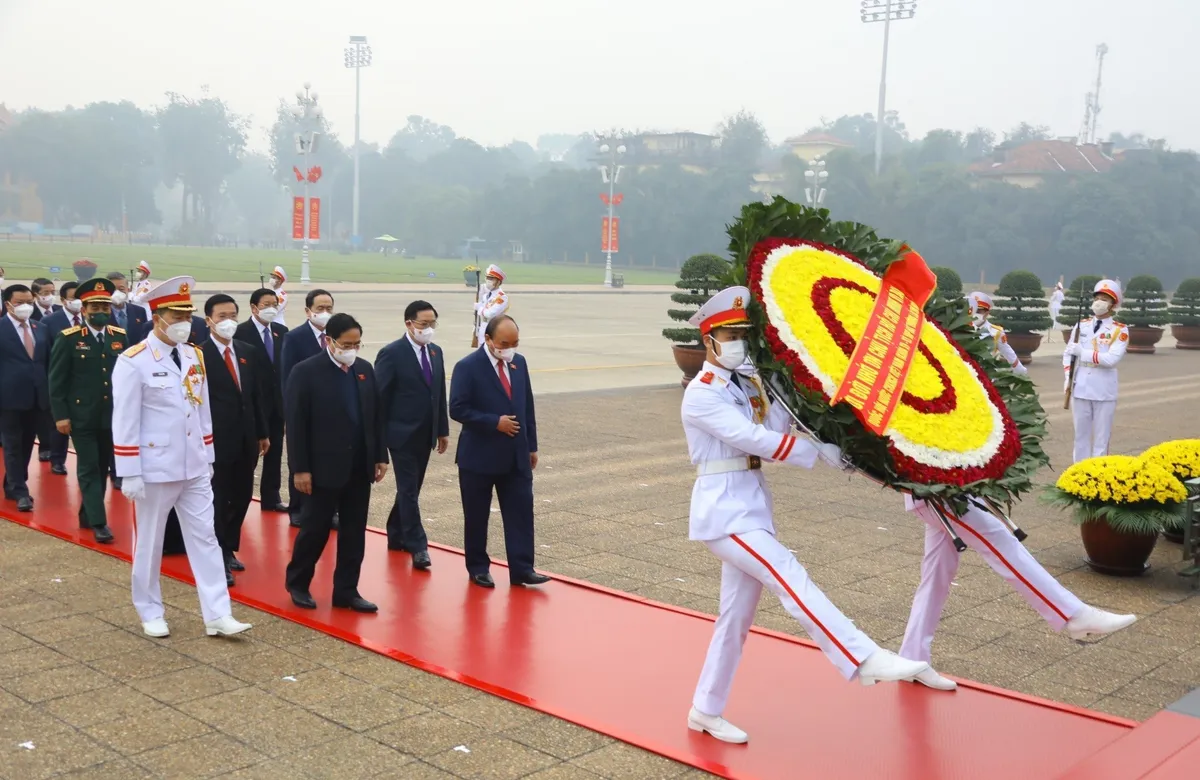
(504, 354)
(733, 353)
(268, 314)
(978, 318)
(1100, 307)
(74, 305)
(345, 356)
(423, 336)
(141, 276)
(321, 319)
(23, 311)
(225, 328)
(274, 283)
(119, 298)
(493, 284)
(46, 301)
(179, 332)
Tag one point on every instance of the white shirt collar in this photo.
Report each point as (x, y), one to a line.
(329, 355)
(16, 322)
(94, 332)
(222, 347)
(318, 333)
(415, 346)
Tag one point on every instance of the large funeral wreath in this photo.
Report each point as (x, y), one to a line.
(965, 425)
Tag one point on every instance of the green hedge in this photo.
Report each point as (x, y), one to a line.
(1185, 303)
(949, 283)
(1145, 304)
(700, 277)
(1021, 305)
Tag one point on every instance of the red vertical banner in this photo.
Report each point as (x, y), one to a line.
(314, 219)
(614, 234)
(298, 219)
(604, 234)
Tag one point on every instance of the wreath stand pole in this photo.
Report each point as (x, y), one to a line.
(944, 515)
(988, 505)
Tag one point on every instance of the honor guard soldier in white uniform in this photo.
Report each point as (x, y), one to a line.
(1097, 345)
(142, 284)
(731, 428)
(162, 443)
(981, 309)
(493, 301)
(275, 283)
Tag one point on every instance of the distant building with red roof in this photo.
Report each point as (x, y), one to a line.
(1031, 164)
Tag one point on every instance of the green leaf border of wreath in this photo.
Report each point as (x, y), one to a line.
(838, 425)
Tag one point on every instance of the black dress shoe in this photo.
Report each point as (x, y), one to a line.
(294, 521)
(335, 521)
(421, 560)
(278, 507)
(229, 580)
(483, 580)
(302, 599)
(235, 564)
(25, 504)
(59, 469)
(44, 457)
(358, 604)
(532, 578)
(102, 535)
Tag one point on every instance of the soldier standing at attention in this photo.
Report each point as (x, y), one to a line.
(81, 370)
(492, 302)
(731, 428)
(1096, 345)
(162, 440)
(981, 308)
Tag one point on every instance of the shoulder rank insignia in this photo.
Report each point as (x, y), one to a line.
(134, 350)
(72, 330)
(113, 329)
(1124, 335)
(707, 378)
(1118, 324)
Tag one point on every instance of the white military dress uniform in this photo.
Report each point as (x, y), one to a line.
(493, 301)
(1101, 345)
(1056, 301)
(279, 278)
(163, 448)
(142, 288)
(730, 429)
(981, 306)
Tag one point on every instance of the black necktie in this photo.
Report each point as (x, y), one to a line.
(175, 357)
(734, 377)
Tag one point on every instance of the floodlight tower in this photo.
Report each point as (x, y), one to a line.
(886, 11)
(358, 56)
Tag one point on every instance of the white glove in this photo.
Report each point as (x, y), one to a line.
(133, 488)
(1074, 349)
(831, 454)
(212, 471)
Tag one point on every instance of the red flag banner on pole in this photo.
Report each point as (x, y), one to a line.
(885, 351)
(297, 218)
(614, 234)
(314, 219)
(604, 234)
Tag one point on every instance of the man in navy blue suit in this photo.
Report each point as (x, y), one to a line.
(490, 394)
(24, 389)
(301, 343)
(127, 314)
(43, 299)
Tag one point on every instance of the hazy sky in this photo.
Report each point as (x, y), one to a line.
(496, 70)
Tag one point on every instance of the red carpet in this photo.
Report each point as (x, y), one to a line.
(626, 667)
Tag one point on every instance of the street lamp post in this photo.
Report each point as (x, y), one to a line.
(306, 111)
(815, 177)
(609, 172)
(886, 11)
(358, 56)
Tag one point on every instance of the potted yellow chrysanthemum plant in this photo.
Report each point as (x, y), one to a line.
(1121, 503)
(1181, 458)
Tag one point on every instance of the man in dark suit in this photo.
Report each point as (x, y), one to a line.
(53, 445)
(237, 387)
(336, 448)
(24, 389)
(301, 343)
(262, 329)
(43, 299)
(125, 313)
(490, 394)
(412, 385)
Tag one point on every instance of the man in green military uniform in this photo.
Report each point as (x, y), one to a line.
(81, 366)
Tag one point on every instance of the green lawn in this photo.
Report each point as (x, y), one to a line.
(26, 260)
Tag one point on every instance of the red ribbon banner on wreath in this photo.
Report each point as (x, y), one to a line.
(879, 365)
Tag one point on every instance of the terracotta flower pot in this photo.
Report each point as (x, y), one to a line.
(1186, 336)
(1143, 338)
(1116, 553)
(690, 359)
(1025, 344)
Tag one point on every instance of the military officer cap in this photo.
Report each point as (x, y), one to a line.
(175, 293)
(279, 274)
(144, 267)
(979, 301)
(95, 291)
(494, 272)
(726, 309)
(1110, 288)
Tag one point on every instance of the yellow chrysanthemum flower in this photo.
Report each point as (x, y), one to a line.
(1122, 479)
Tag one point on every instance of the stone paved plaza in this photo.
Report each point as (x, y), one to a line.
(83, 694)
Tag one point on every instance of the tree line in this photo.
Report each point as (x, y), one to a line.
(184, 170)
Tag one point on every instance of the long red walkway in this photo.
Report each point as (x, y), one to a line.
(625, 667)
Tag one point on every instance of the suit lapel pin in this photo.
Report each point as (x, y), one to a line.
(242, 361)
(362, 377)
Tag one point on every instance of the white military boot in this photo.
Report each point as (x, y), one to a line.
(225, 626)
(931, 679)
(1096, 622)
(156, 628)
(886, 666)
(716, 726)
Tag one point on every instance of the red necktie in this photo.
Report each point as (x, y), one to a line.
(232, 369)
(76, 319)
(28, 339)
(321, 341)
(504, 379)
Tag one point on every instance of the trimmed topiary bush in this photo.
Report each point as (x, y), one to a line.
(1185, 304)
(1021, 305)
(1072, 303)
(949, 283)
(700, 277)
(1145, 304)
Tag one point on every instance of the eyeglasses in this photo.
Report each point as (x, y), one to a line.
(345, 347)
(425, 323)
